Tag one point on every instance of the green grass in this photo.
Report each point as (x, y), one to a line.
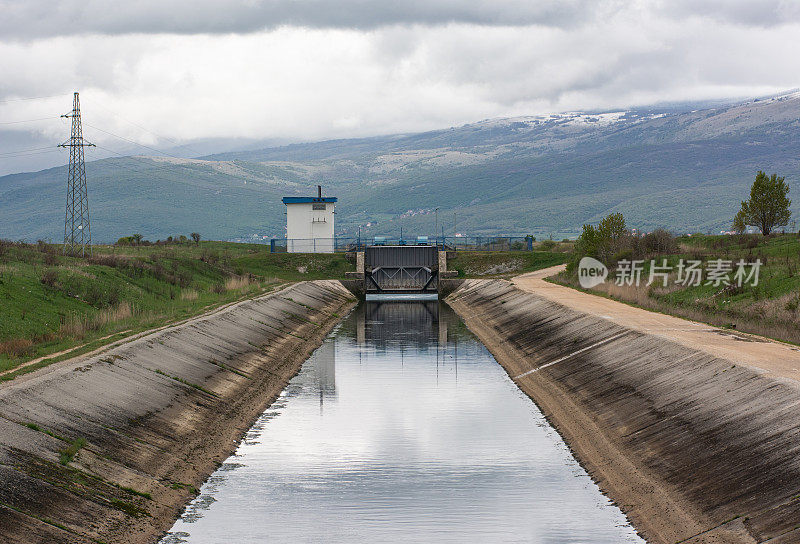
(67, 454)
(771, 308)
(129, 508)
(474, 264)
(779, 274)
(137, 493)
(52, 303)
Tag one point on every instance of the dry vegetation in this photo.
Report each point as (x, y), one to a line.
(771, 308)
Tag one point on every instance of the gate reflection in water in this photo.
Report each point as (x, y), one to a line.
(402, 428)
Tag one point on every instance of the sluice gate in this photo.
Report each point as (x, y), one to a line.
(401, 272)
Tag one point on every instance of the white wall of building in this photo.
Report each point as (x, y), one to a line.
(309, 227)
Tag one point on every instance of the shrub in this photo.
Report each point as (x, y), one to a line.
(547, 245)
(16, 347)
(189, 294)
(77, 326)
(237, 282)
(659, 241)
(625, 254)
(49, 278)
(106, 260)
(209, 257)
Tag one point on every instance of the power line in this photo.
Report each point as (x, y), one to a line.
(117, 153)
(27, 121)
(132, 141)
(32, 98)
(143, 160)
(28, 153)
(179, 144)
(26, 150)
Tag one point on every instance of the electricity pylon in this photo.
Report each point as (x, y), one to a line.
(77, 231)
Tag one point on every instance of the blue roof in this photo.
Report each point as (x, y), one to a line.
(307, 199)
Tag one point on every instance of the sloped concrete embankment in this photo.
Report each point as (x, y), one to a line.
(693, 448)
(157, 415)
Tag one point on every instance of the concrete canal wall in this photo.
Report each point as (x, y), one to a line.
(140, 427)
(694, 448)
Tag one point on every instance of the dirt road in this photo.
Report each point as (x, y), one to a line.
(757, 352)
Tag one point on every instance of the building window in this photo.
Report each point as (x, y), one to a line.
(317, 207)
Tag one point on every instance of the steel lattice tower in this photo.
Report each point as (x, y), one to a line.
(77, 231)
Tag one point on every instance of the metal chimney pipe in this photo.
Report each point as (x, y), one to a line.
(319, 191)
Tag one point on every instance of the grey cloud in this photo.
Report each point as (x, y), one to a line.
(33, 19)
(764, 13)
(304, 84)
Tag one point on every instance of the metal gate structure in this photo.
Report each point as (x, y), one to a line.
(401, 269)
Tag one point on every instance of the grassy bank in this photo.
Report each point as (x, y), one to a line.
(52, 303)
(771, 308)
(502, 264)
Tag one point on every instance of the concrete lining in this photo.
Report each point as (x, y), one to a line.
(158, 415)
(694, 448)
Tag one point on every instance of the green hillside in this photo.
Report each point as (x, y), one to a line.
(683, 170)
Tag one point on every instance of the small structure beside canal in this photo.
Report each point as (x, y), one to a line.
(310, 223)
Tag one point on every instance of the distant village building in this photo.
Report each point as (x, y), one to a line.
(309, 223)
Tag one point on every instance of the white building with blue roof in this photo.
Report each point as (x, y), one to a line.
(309, 223)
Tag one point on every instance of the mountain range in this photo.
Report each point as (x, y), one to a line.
(683, 167)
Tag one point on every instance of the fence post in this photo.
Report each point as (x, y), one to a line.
(529, 240)
(272, 245)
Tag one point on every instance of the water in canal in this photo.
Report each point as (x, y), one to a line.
(401, 428)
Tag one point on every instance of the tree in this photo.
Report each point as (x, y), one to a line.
(768, 206)
(602, 241)
(738, 223)
(588, 242)
(196, 237)
(137, 238)
(612, 227)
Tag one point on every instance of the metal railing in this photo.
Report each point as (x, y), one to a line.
(453, 243)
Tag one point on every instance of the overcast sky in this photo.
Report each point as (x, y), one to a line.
(313, 69)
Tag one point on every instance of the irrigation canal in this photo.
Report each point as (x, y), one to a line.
(401, 428)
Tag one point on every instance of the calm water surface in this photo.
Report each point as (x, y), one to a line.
(401, 428)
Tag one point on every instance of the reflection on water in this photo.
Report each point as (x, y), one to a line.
(401, 428)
